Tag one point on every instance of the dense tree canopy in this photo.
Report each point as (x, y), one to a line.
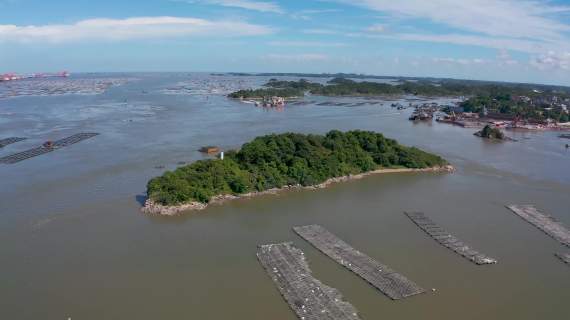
(266, 92)
(342, 86)
(491, 133)
(276, 160)
(347, 87)
(505, 104)
(468, 87)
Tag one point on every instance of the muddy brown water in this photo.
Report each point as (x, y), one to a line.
(74, 244)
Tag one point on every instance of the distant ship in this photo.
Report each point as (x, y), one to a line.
(14, 76)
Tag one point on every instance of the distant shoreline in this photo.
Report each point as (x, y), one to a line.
(153, 208)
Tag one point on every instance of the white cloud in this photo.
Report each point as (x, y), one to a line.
(527, 26)
(306, 44)
(320, 31)
(306, 14)
(4, 3)
(552, 60)
(483, 41)
(130, 28)
(319, 11)
(376, 28)
(302, 57)
(261, 6)
(504, 58)
(510, 18)
(460, 61)
(503, 54)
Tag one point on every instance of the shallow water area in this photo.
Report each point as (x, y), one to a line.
(73, 242)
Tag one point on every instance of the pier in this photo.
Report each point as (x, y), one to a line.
(389, 282)
(565, 257)
(448, 240)
(545, 222)
(308, 297)
(46, 147)
(7, 141)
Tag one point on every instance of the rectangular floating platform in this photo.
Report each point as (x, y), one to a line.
(545, 222)
(565, 257)
(21, 156)
(7, 141)
(308, 297)
(389, 282)
(448, 240)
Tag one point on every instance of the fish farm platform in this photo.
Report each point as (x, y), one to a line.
(308, 297)
(21, 156)
(448, 240)
(545, 222)
(389, 282)
(7, 141)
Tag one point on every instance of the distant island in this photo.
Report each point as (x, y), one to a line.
(521, 105)
(491, 133)
(349, 87)
(499, 100)
(283, 161)
(449, 82)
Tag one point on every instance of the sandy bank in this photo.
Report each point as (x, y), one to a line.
(151, 207)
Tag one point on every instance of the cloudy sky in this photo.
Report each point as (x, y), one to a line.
(510, 40)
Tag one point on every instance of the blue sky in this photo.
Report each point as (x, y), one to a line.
(510, 40)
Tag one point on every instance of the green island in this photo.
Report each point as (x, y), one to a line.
(424, 87)
(289, 159)
(468, 87)
(274, 87)
(348, 87)
(266, 92)
(491, 133)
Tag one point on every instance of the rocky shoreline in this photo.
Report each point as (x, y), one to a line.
(151, 207)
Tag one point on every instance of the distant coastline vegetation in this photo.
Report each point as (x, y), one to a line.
(341, 86)
(437, 81)
(506, 99)
(349, 87)
(279, 160)
(457, 86)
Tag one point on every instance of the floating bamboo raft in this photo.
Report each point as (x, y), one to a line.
(308, 297)
(389, 282)
(565, 257)
(7, 141)
(21, 156)
(448, 240)
(545, 222)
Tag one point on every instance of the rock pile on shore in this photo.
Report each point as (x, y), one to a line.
(152, 207)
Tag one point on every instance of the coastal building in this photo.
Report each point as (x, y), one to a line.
(501, 116)
(456, 109)
(470, 115)
(210, 149)
(273, 101)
